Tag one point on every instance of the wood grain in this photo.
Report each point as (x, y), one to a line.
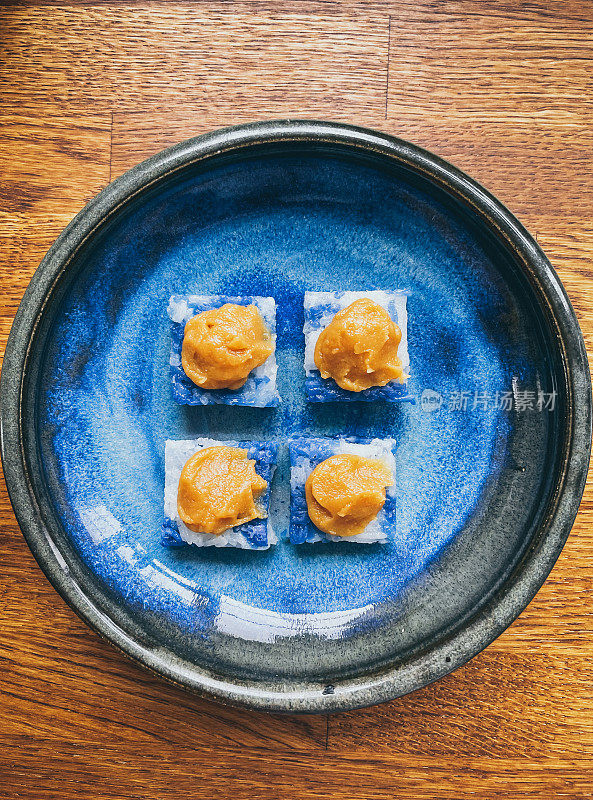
(520, 705)
(50, 166)
(96, 771)
(505, 68)
(500, 88)
(97, 56)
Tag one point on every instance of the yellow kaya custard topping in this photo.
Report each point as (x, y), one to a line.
(218, 488)
(346, 492)
(358, 349)
(222, 346)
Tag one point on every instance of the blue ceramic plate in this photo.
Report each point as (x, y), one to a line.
(491, 457)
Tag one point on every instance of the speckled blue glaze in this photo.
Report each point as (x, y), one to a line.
(313, 451)
(256, 531)
(257, 389)
(275, 227)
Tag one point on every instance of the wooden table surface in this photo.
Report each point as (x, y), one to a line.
(501, 88)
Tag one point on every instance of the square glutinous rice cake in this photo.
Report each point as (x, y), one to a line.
(260, 387)
(305, 455)
(319, 310)
(255, 535)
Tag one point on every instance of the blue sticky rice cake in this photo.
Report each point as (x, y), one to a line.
(305, 455)
(255, 535)
(260, 387)
(319, 310)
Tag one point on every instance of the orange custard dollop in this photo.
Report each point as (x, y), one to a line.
(218, 490)
(346, 492)
(358, 349)
(221, 346)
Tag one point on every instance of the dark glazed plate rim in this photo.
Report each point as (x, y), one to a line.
(456, 647)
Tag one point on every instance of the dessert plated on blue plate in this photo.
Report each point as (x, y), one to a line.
(469, 449)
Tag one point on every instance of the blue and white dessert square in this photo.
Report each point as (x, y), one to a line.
(260, 387)
(305, 455)
(319, 310)
(255, 535)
